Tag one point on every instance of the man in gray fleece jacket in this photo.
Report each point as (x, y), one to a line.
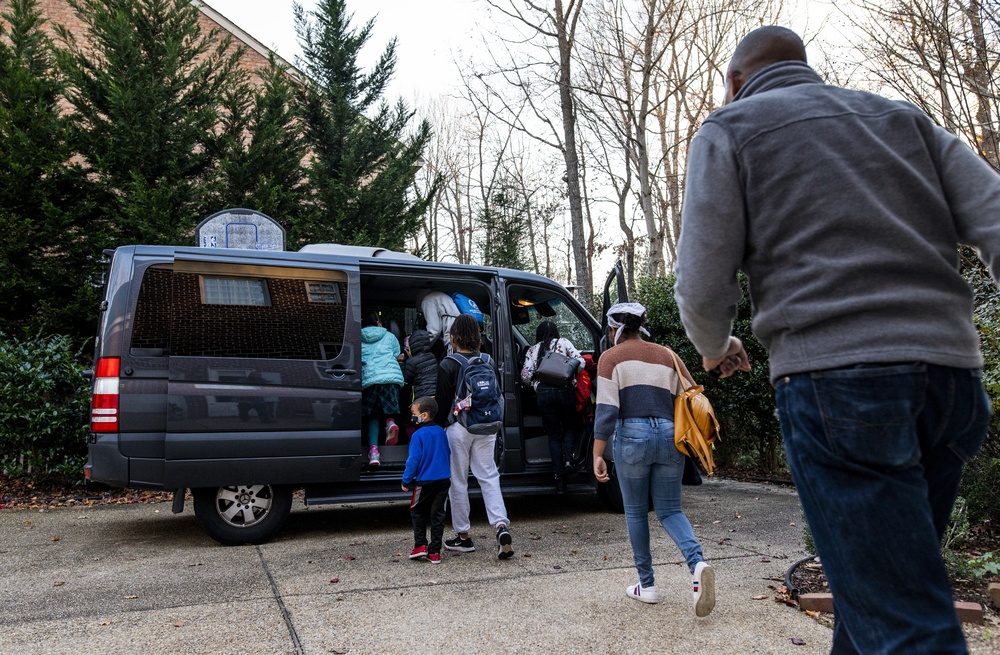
(845, 211)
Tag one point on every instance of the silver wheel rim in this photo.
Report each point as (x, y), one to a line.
(244, 505)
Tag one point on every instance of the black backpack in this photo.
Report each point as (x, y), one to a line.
(478, 400)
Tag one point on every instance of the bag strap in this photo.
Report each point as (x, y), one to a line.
(677, 367)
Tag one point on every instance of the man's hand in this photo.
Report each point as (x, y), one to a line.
(734, 360)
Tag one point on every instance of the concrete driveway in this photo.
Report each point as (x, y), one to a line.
(136, 579)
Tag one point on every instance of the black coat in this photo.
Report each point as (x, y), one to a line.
(421, 366)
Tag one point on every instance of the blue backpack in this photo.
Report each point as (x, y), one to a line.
(467, 305)
(478, 400)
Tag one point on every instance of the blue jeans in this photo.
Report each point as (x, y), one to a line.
(557, 405)
(876, 453)
(646, 461)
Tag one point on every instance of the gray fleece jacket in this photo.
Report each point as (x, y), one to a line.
(845, 210)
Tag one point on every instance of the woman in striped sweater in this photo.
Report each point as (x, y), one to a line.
(636, 384)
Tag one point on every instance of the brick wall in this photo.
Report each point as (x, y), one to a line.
(61, 13)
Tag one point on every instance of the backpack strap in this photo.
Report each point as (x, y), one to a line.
(463, 362)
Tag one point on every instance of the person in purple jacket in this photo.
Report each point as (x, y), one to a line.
(428, 474)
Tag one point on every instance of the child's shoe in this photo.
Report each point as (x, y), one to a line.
(373, 456)
(391, 432)
(435, 558)
(420, 552)
(704, 589)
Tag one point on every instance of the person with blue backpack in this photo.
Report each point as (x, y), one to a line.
(467, 379)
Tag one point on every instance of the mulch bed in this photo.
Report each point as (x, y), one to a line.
(54, 491)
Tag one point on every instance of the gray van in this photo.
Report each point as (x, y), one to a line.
(237, 374)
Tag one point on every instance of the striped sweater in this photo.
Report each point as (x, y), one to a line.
(635, 379)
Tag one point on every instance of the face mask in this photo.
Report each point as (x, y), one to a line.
(415, 420)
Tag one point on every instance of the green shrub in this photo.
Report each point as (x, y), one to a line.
(43, 407)
(744, 403)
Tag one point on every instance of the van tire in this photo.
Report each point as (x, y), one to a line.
(242, 514)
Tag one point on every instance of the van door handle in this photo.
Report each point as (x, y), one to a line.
(340, 371)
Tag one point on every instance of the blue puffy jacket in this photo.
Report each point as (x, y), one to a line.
(379, 349)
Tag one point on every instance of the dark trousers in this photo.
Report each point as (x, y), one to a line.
(557, 405)
(426, 504)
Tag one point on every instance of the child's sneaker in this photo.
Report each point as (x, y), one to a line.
(435, 558)
(459, 544)
(505, 549)
(391, 432)
(645, 594)
(419, 552)
(373, 456)
(704, 589)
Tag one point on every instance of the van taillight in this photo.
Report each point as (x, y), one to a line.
(104, 407)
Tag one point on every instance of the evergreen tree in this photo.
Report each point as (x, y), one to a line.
(47, 255)
(261, 148)
(363, 163)
(505, 221)
(144, 90)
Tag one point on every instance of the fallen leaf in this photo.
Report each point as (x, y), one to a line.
(813, 613)
(715, 522)
(761, 597)
(130, 597)
(696, 525)
(54, 539)
(349, 558)
(526, 555)
(792, 524)
(798, 642)
(104, 623)
(178, 624)
(572, 552)
(535, 537)
(557, 567)
(58, 583)
(335, 581)
(401, 554)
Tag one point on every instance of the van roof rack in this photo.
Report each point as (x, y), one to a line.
(356, 251)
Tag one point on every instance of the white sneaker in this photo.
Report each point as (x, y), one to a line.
(645, 594)
(704, 589)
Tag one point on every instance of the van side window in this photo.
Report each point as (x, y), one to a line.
(189, 314)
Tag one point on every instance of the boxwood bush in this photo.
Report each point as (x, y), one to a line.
(43, 407)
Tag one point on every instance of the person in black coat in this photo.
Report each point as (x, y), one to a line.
(421, 366)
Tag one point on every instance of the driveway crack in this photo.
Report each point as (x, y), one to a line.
(281, 604)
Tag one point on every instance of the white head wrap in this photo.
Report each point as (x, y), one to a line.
(625, 308)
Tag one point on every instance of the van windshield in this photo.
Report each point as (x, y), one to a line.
(532, 306)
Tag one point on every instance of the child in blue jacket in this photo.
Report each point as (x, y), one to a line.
(428, 472)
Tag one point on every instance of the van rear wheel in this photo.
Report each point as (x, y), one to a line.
(242, 514)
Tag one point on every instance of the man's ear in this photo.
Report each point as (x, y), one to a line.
(734, 82)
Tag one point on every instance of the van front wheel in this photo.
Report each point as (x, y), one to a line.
(242, 514)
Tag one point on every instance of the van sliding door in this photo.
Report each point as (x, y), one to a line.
(264, 381)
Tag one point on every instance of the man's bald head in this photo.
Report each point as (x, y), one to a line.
(762, 47)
